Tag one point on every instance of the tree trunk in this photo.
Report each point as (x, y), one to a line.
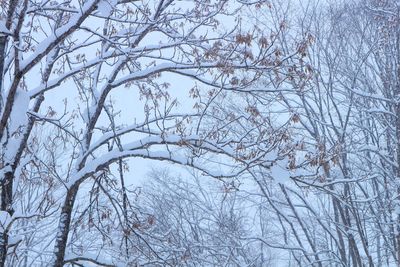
(6, 205)
(63, 227)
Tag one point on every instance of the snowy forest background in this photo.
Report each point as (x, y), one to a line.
(199, 133)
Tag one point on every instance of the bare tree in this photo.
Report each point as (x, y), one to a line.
(63, 65)
(344, 133)
(204, 222)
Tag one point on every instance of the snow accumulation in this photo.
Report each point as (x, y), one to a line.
(3, 28)
(88, 113)
(279, 171)
(18, 113)
(51, 40)
(19, 119)
(105, 7)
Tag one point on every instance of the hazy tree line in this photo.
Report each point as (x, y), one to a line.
(279, 121)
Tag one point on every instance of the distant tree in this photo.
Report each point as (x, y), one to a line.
(340, 207)
(199, 222)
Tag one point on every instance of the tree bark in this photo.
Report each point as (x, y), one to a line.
(63, 227)
(6, 205)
